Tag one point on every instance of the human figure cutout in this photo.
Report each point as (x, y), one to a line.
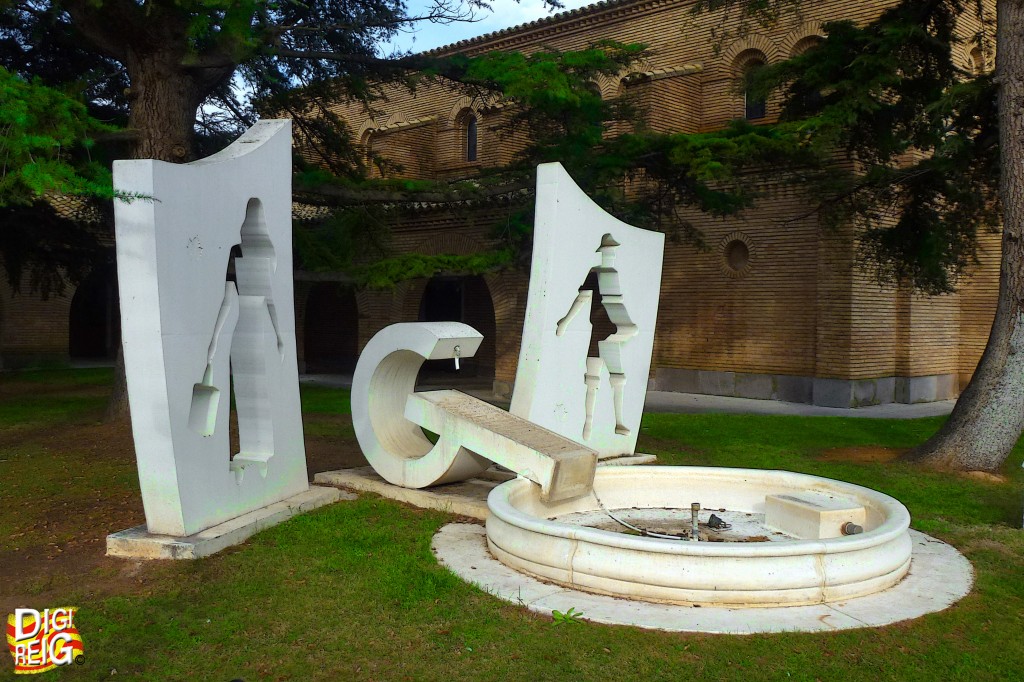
(246, 318)
(609, 349)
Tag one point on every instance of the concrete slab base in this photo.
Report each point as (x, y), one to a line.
(139, 543)
(939, 576)
(466, 498)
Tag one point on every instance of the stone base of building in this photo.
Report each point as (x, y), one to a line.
(139, 543)
(809, 390)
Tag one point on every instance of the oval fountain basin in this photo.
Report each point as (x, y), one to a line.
(547, 540)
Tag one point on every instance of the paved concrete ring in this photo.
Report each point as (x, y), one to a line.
(939, 576)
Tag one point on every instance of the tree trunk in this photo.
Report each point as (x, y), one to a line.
(117, 406)
(989, 416)
(164, 98)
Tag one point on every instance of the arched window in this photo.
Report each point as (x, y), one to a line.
(367, 147)
(754, 106)
(812, 100)
(978, 65)
(804, 44)
(471, 138)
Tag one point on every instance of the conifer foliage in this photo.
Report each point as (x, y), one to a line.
(918, 131)
(934, 154)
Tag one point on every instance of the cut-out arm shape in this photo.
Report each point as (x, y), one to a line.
(277, 331)
(582, 298)
(230, 301)
(202, 416)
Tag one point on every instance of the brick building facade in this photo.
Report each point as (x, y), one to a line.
(81, 324)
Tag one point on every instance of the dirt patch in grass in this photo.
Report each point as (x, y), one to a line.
(58, 546)
(89, 434)
(56, 542)
(986, 476)
(331, 443)
(861, 454)
(45, 572)
(989, 545)
(866, 454)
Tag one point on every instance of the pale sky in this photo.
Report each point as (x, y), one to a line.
(503, 14)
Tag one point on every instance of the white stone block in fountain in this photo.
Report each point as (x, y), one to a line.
(812, 515)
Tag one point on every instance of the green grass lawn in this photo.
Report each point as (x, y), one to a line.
(30, 400)
(351, 591)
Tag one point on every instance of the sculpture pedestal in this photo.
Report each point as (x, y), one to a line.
(139, 543)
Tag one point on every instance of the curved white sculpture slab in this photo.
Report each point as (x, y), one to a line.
(596, 401)
(384, 379)
(205, 273)
(522, 536)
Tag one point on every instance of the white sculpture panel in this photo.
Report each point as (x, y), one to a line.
(205, 273)
(596, 401)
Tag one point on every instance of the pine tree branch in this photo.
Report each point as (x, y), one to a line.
(334, 195)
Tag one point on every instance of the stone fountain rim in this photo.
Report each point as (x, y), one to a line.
(897, 518)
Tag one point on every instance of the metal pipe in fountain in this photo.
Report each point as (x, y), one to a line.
(694, 518)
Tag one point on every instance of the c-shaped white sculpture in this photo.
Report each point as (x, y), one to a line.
(384, 379)
(387, 415)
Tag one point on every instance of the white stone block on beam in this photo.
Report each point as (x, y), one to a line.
(562, 468)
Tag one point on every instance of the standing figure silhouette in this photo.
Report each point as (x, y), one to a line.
(610, 348)
(247, 316)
